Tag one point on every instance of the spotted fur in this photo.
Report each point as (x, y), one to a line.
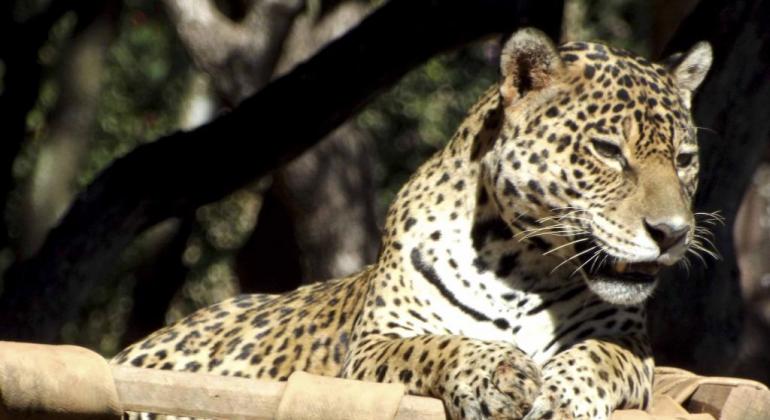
(514, 262)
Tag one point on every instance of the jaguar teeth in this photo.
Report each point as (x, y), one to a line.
(621, 266)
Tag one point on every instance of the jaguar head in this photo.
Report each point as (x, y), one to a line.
(598, 151)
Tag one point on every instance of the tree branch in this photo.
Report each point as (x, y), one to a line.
(230, 50)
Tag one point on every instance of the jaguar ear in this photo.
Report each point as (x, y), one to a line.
(689, 69)
(529, 61)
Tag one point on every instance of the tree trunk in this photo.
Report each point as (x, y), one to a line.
(696, 320)
(21, 80)
(667, 15)
(328, 196)
(269, 260)
(158, 279)
(328, 192)
(752, 245)
(53, 181)
(239, 56)
(163, 272)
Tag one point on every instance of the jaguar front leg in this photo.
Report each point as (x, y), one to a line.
(594, 377)
(475, 379)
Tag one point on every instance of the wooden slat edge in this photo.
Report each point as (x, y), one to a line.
(709, 398)
(214, 396)
(196, 394)
(420, 408)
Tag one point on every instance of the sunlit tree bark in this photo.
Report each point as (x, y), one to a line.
(53, 181)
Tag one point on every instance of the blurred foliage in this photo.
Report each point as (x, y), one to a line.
(49, 56)
(147, 73)
(622, 23)
(147, 83)
(420, 113)
(222, 229)
(23, 10)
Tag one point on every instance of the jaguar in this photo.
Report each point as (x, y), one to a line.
(515, 262)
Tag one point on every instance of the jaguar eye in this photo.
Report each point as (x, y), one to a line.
(684, 159)
(607, 149)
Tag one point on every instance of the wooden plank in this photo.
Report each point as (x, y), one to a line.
(214, 396)
(420, 408)
(709, 398)
(727, 402)
(747, 403)
(663, 405)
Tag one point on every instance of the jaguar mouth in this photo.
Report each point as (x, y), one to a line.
(610, 268)
(641, 272)
(616, 281)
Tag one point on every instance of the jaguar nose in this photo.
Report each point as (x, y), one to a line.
(667, 235)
